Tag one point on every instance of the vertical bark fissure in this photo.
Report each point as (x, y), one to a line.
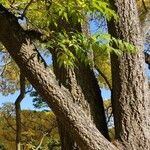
(130, 101)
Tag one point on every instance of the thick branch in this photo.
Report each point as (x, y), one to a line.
(25, 54)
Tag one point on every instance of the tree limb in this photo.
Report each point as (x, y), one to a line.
(58, 98)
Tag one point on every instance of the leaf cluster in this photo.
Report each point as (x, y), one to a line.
(73, 48)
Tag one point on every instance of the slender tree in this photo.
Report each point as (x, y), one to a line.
(18, 111)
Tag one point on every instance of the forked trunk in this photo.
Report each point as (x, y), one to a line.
(61, 101)
(83, 85)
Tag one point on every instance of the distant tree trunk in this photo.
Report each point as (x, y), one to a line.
(129, 100)
(82, 129)
(84, 87)
(18, 111)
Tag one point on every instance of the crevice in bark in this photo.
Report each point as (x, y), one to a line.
(129, 96)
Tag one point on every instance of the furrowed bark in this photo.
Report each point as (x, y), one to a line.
(58, 98)
(84, 88)
(83, 85)
(130, 91)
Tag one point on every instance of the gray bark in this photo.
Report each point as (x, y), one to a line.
(130, 91)
(58, 98)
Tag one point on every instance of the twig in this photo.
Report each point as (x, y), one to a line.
(38, 147)
(25, 10)
(29, 90)
(104, 77)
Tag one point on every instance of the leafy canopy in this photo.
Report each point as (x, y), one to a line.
(52, 17)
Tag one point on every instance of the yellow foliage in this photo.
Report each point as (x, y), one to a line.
(34, 126)
(143, 7)
(12, 72)
(102, 62)
(107, 105)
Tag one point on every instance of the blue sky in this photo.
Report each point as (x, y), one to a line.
(27, 101)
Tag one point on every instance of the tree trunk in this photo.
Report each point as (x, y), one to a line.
(67, 141)
(129, 99)
(83, 85)
(58, 98)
